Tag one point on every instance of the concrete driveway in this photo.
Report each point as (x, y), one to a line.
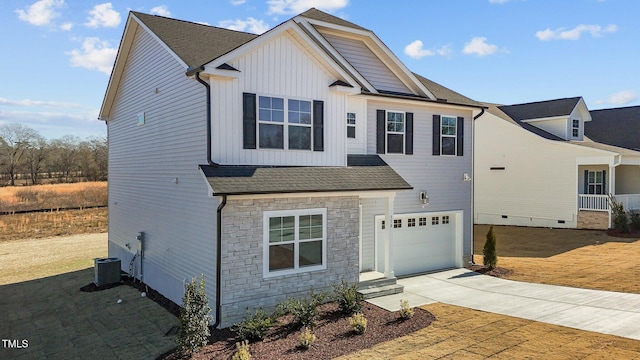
(591, 310)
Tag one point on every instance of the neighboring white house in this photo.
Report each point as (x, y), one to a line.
(533, 166)
(278, 163)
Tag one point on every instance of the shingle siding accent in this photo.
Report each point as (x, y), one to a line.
(243, 285)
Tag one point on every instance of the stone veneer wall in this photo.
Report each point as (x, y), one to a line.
(243, 286)
(597, 220)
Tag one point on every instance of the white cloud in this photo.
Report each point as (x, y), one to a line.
(620, 98)
(251, 25)
(27, 102)
(479, 46)
(161, 10)
(41, 12)
(416, 50)
(238, 2)
(95, 55)
(298, 6)
(66, 26)
(575, 33)
(103, 15)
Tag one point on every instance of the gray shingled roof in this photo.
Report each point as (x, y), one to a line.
(618, 126)
(363, 173)
(541, 109)
(496, 110)
(195, 44)
(443, 93)
(316, 14)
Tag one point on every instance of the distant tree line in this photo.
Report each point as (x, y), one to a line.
(27, 158)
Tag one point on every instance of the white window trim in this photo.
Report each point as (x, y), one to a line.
(355, 122)
(387, 132)
(573, 127)
(285, 122)
(265, 241)
(594, 184)
(455, 136)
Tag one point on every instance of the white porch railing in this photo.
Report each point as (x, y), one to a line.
(593, 202)
(629, 201)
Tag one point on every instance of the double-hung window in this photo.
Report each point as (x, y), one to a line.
(351, 125)
(299, 119)
(395, 132)
(295, 241)
(575, 128)
(595, 183)
(448, 135)
(271, 122)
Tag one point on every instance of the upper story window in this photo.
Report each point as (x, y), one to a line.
(575, 128)
(351, 125)
(448, 135)
(294, 241)
(279, 123)
(395, 132)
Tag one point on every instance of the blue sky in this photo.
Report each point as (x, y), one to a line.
(57, 54)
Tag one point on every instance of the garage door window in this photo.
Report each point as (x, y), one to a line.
(397, 223)
(411, 222)
(422, 221)
(435, 220)
(294, 241)
(445, 219)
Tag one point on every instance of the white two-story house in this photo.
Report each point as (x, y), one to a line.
(278, 163)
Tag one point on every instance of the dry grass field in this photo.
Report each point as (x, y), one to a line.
(39, 225)
(588, 259)
(52, 196)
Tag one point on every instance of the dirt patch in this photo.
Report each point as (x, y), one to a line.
(333, 331)
(588, 259)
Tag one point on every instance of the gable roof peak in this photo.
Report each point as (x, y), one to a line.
(541, 109)
(320, 15)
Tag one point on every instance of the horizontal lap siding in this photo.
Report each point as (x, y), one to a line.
(440, 176)
(281, 68)
(539, 185)
(178, 219)
(367, 64)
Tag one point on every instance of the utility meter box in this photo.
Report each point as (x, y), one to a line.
(107, 271)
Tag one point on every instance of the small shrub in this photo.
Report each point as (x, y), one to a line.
(195, 317)
(304, 311)
(406, 312)
(490, 259)
(348, 298)
(254, 326)
(635, 219)
(358, 323)
(620, 218)
(307, 338)
(242, 351)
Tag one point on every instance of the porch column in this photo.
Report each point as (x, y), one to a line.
(388, 241)
(612, 189)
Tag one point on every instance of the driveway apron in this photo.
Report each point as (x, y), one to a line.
(604, 312)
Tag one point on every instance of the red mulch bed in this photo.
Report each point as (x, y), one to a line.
(333, 331)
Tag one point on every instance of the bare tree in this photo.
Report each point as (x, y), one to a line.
(35, 158)
(64, 157)
(16, 140)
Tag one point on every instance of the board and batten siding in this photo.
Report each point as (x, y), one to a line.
(282, 68)
(440, 176)
(155, 185)
(367, 63)
(539, 183)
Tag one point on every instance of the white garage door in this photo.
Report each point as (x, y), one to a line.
(421, 242)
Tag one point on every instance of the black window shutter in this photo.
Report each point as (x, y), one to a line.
(408, 141)
(318, 125)
(248, 121)
(436, 134)
(604, 182)
(380, 131)
(586, 181)
(460, 136)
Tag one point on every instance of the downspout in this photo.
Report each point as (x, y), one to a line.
(473, 185)
(195, 71)
(219, 260)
